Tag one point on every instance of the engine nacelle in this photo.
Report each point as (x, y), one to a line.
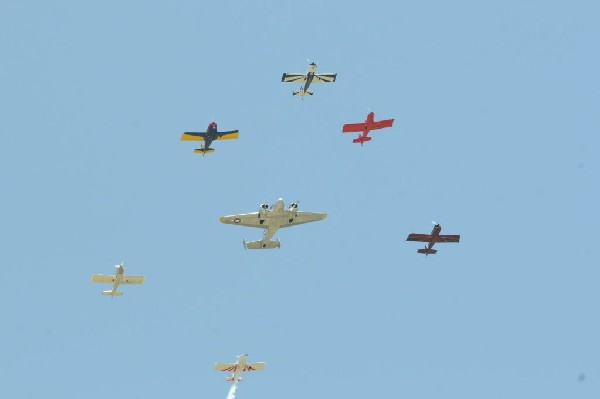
(264, 209)
(293, 206)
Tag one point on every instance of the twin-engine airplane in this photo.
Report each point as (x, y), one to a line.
(208, 137)
(238, 368)
(116, 280)
(307, 78)
(432, 239)
(272, 219)
(366, 127)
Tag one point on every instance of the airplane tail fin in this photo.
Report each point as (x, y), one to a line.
(427, 251)
(362, 139)
(261, 244)
(109, 292)
(302, 93)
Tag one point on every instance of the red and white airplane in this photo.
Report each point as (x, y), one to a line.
(368, 125)
(432, 239)
(239, 367)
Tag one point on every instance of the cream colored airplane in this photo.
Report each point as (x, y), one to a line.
(116, 280)
(239, 367)
(272, 219)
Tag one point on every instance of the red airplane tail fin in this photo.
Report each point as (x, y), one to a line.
(427, 251)
(362, 139)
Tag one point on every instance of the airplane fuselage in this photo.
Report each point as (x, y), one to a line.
(310, 74)
(118, 278)
(211, 134)
(434, 235)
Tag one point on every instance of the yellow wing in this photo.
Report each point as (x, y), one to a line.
(193, 136)
(232, 135)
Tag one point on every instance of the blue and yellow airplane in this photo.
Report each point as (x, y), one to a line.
(208, 137)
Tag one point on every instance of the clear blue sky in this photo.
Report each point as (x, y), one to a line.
(496, 137)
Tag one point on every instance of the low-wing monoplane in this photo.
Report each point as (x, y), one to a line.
(272, 219)
(116, 280)
(307, 78)
(432, 239)
(238, 368)
(208, 137)
(368, 125)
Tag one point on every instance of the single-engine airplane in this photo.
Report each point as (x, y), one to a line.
(272, 219)
(116, 280)
(307, 78)
(432, 239)
(368, 125)
(208, 137)
(238, 368)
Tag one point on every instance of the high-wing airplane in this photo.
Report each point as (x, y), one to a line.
(307, 78)
(432, 239)
(208, 137)
(239, 367)
(116, 280)
(368, 125)
(272, 219)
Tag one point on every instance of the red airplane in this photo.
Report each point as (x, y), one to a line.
(431, 239)
(366, 127)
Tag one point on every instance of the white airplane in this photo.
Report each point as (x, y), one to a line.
(239, 367)
(272, 219)
(307, 78)
(117, 279)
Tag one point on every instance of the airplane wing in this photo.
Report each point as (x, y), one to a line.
(294, 77)
(244, 219)
(103, 278)
(324, 77)
(231, 367)
(353, 127)
(132, 280)
(193, 136)
(231, 135)
(448, 238)
(305, 217)
(382, 124)
(254, 366)
(419, 237)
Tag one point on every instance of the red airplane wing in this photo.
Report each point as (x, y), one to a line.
(353, 127)
(382, 124)
(419, 237)
(447, 238)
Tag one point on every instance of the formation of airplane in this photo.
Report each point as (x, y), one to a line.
(311, 76)
(272, 219)
(365, 127)
(208, 137)
(116, 280)
(432, 239)
(239, 367)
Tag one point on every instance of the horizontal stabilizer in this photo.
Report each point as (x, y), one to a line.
(427, 251)
(203, 150)
(262, 244)
(117, 293)
(302, 93)
(361, 139)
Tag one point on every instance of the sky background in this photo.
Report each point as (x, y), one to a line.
(496, 136)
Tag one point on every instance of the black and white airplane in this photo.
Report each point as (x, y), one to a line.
(307, 78)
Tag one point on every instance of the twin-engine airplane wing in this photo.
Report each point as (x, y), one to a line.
(272, 219)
